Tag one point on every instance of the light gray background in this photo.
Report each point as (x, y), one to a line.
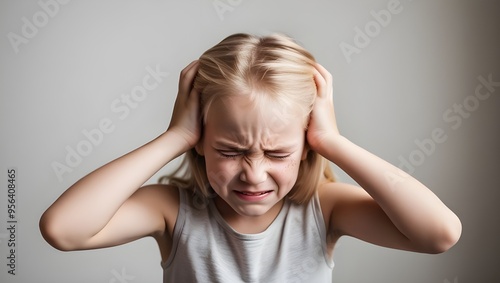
(64, 79)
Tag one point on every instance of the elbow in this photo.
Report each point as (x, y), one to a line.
(53, 234)
(446, 238)
(442, 245)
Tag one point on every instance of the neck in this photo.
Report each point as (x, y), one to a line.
(245, 224)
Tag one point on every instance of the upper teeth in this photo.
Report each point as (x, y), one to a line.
(252, 194)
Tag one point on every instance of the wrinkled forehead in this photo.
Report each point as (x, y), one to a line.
(244, 116)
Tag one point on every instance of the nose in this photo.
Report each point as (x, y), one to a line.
(253, 172)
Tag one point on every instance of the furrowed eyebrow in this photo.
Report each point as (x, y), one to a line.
(230, 146)
(236, 147)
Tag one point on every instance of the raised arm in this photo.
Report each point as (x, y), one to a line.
(394, 210)
(106, 207)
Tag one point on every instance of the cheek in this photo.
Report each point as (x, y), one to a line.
(220, 172)
(287, 172)
(293, 165)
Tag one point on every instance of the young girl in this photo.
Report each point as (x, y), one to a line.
(257, 202)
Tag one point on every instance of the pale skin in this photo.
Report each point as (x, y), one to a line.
(108, 207)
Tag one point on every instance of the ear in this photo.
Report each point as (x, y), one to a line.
(305, 151)
(199, 148)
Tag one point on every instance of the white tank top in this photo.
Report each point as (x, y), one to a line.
(206, 249)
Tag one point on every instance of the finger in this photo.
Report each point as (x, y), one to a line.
(187, 76)
(324, 72)
(320, 83)
(194, 97)
(324, 80)
(189, 71)
(190, 65)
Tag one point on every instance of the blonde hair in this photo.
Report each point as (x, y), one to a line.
(273, 66)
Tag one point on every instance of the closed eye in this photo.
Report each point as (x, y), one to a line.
(278, 156)
(229, 154)
(233, 153)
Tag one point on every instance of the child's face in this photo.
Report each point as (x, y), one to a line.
(252, 153)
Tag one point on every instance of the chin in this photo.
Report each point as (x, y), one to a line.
(253, 212)
(253, 209)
